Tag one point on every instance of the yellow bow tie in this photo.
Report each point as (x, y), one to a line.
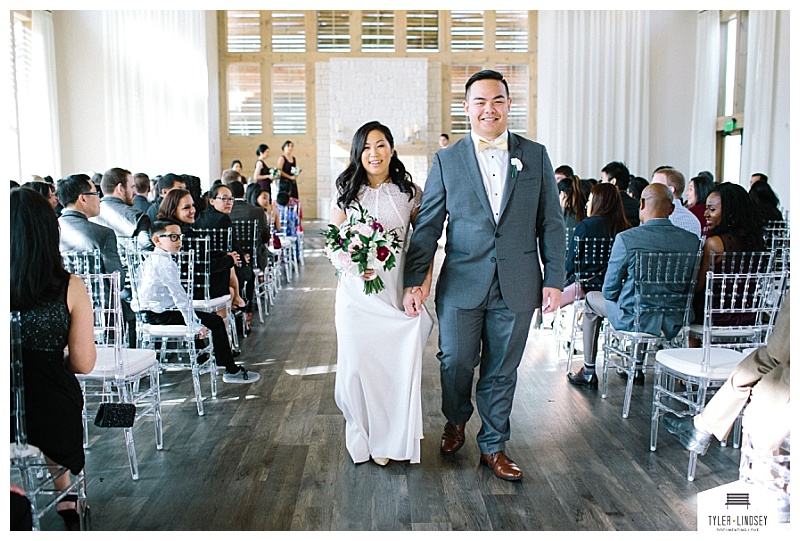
(483, 145)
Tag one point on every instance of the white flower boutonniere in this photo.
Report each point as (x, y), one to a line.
(517, 164)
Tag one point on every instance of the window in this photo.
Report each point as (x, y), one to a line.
(19, 82)
(466, 30)
(459, 75)
(377, 31)
(288, 32)
(244, 32)
(422, 31)
(512, 31)
(333, 31)
(244, 99)
(730, 120)
(516, 76)
(289, 99)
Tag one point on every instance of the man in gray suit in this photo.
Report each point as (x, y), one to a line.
(117, 211)
(655, 234)
(497, 192)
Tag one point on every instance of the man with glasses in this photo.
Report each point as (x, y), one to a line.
(81, 201)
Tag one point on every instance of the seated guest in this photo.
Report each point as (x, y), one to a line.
(161, 293)
(573, 201)
(681, 216)
(117, 211)
(168, 182)
(606, 219)
(616, 301)
(617, 173)
(765, 203)
(762, 378)
(178, 207)
(56, 313)
(141, 184)
(755, 177)
(81, 201)
(47, 190)
(563, 171)
(732, 227)
(259, 197)
(636, 186)
(696, 193)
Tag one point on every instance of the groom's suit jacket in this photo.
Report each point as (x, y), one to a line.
(527, 237)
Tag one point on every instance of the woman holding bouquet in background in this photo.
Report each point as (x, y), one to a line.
(287, 166)
(378, 388)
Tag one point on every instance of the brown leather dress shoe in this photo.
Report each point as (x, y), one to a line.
(503, 467)
(452, 438)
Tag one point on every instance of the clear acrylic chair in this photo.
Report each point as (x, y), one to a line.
(121, 374)
(686, 377)
(664, 286)
(85, 262)
(769, 471)
(247, 234)
(591, 257)
(29, 469)
(175, 343)
(201, 246)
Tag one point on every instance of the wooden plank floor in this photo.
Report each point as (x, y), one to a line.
(271, 455)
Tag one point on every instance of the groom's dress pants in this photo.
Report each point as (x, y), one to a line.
(490, 336)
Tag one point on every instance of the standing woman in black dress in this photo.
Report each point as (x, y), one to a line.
(261, 174)
(285, 164)
(56, 313)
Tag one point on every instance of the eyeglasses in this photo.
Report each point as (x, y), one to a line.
(174, 237)
(91, 193)
(225, 199)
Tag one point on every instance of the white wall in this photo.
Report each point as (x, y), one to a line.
(780, 168)
(672, 74)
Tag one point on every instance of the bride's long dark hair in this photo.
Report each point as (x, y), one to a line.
(351, 180)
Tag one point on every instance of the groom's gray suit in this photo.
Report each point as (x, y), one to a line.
(491, 279)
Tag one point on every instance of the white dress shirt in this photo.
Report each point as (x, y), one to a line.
(493, 163)
(160, 289)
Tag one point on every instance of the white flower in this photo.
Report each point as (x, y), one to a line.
(517, 164)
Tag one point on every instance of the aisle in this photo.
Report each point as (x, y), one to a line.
(271, 455)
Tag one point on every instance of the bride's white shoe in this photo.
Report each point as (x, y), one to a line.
(380, 461)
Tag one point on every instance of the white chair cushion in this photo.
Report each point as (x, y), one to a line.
(733, 332)
(134, 361)
(687, 361)
(212, 305)
(639, 335)
(167, 331)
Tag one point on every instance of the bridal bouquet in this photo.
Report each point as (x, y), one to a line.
(359, 244)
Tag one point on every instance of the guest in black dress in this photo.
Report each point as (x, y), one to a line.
(55, 313)
(287, 162)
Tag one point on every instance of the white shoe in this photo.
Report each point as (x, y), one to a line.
(380, 461)
(242, 376)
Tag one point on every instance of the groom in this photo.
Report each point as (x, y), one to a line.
(498, 193)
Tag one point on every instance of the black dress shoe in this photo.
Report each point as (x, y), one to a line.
(638, 378)
(690, 437)
(580, 379)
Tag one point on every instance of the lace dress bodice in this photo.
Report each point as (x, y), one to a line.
(389, 206)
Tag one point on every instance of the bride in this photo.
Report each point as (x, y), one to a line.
(379, 360)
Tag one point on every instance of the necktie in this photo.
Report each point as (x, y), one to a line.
(483, 145)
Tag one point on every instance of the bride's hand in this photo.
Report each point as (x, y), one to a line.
(369, 274)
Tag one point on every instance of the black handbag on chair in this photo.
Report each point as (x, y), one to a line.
(115, 415)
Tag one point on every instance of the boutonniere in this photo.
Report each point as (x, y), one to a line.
(517, 165)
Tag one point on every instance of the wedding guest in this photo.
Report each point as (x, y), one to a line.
(161, 291)
(236, 165)
(47, 190)
(755, 177)
(379, 395)
(499, 269)
(606, 218)
(259, 197)
(681, 216)
(765, 203)
(696, 193)
(56, 313)
(261, 174)
(444, 140)
(287, 166)
(168, 182)
(573, 201)
(141, 183)
(117, 211)
(617, 173)
(636, 186)
(563, 171)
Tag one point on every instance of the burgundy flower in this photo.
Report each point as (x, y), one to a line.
(377, 226)
(383, 252)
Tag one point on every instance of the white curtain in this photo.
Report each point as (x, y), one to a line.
(759, 111)
(593, 84)
(156, 91)
(702, 154)
(38, 146)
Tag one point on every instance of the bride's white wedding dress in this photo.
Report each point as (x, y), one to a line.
(379, 362)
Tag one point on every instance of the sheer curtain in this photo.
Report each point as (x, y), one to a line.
(702, 155)
(593, 85)
(156, 91)
(36, 140)
(759, 111)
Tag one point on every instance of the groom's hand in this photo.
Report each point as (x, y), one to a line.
(412, 301)
(551, 298)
